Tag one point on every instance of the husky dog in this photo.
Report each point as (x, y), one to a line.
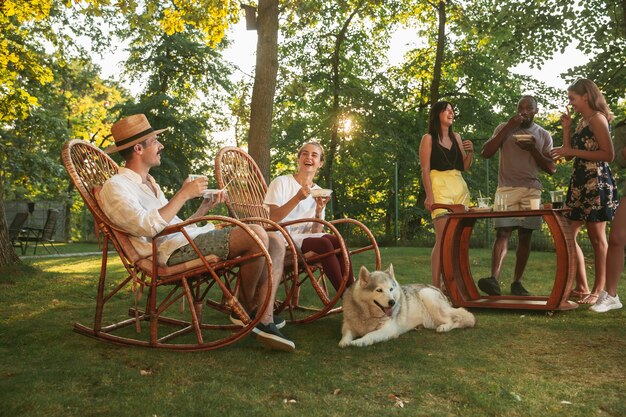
(376, 308)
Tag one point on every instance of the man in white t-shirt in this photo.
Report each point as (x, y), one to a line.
(518, 180)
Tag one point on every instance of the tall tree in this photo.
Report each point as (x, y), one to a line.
(19, 60)
(441, 40)
(262, 101)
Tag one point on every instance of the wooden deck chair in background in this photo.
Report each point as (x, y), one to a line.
(308, 294)
(206, 281)
(16, 231)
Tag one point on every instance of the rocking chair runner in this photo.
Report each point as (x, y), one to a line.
(308, 294)
(204, 281)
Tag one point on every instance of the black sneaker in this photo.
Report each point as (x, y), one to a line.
(272, 338)
(518, 289)
(279, 322)
(489, 286)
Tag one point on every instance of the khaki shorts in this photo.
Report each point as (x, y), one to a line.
(449, 187)
(215, 242)
(518, 198)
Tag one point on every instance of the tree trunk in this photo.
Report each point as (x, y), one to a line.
(262, 101)
(327, 169)
(624, 12)
(8, 256)
(67, 232)
(441, 40)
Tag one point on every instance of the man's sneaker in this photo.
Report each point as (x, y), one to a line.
(278, 321)
(489, 286)
(606, 303)
(272, 338)
(518, 289)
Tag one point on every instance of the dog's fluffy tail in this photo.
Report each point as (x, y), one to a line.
(445, 317)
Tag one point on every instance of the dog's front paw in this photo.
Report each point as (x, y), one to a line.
(362, 342)
(446, 327)
(344, 342)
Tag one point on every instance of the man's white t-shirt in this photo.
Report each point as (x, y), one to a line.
(279, 192)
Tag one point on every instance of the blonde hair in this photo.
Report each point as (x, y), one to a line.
(595, 98)
(314, 144)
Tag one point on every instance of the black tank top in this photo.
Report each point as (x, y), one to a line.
(443, 159)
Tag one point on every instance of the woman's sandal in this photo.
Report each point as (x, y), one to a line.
(579, 294)
(589, 299)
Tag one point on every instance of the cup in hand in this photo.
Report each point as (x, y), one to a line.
(483, 202)
(193, 177)
(500, 203)
(557, 199)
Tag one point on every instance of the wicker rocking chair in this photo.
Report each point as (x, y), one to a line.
(308, 293)
(206, 281)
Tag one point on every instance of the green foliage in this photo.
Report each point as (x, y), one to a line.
(600, 28)
(51, 93)
(388, 107)
(186, 83)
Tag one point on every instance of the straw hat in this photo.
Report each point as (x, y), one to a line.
(129, 131)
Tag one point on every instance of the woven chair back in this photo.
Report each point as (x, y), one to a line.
(239, 174)
(88, 167)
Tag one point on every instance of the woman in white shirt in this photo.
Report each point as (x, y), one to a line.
(289, 198)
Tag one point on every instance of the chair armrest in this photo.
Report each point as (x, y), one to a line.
(30, 233)
(224, 222)
(453, 208)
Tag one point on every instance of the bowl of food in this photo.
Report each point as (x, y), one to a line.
(321, 192)
(523, 138)
(212, 194)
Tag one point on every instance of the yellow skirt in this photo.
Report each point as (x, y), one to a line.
(449, 187)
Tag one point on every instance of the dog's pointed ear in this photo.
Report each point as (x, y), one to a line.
(364, 275)
(390, 270)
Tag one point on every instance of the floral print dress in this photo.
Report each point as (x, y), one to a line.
(592, 194)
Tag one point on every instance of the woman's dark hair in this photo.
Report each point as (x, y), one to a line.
(620, 124)
(434, 125)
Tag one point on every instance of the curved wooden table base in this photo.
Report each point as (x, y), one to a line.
(456, 263)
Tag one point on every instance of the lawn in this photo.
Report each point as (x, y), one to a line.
(514, 363)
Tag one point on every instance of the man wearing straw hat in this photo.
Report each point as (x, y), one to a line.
(518, 183)
(134, 202)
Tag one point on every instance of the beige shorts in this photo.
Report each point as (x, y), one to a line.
(518, 198)
(449, 187)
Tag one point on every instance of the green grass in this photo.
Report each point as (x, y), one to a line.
(514, 363)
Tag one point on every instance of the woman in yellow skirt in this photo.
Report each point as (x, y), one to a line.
(443, 156)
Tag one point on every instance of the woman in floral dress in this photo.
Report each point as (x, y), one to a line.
(592, 194)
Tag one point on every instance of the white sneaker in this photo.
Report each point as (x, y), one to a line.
(606, 303)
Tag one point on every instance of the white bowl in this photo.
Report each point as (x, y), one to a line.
(212, 193)
(523, 138)
(321, 192)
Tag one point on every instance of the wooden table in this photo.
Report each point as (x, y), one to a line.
(456, 262)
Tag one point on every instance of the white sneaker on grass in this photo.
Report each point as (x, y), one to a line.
(606, 303)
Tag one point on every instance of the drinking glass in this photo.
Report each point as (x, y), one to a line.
(557, 199)
(500, 202)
